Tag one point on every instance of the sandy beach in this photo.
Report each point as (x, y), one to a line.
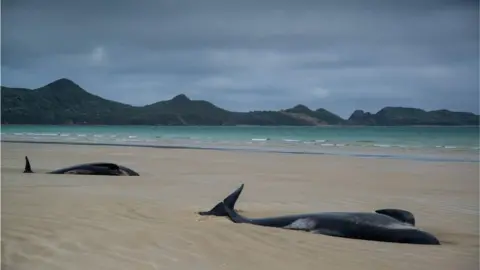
(149, 222)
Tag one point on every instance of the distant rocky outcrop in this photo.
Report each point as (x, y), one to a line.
(401, 116)
(64, 102)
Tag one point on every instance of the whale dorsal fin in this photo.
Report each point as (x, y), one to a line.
(398, 214)
(28, 168)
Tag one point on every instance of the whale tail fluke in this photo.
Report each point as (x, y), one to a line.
(229, 201)
(28, 168)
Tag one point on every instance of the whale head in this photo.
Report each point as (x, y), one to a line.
(415, 236)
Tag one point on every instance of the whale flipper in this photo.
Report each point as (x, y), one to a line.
(229, 201)
(28, 168)
(398, 214)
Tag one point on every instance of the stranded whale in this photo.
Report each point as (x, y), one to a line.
(385, 225)
(98, 168)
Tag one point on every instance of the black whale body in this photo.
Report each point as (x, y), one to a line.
(385, 225)
(95, 168)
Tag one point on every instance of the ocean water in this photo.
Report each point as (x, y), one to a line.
(306, 139)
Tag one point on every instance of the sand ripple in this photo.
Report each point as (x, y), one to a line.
(149, 222)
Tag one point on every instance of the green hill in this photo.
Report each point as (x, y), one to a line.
(65, 102)
(319, 116)
(60, 102)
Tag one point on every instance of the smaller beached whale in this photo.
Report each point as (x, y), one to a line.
(385, 225)
(98, 168)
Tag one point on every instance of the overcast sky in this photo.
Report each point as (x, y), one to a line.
(242, 55)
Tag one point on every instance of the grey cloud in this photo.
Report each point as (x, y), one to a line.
(243, 55)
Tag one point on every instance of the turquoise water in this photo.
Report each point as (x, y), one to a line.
(466, 138)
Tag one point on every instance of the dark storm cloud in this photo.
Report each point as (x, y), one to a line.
(242, 55)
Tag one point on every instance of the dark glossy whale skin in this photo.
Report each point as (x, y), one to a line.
(96, 168)
(385, 225)
(355, 225)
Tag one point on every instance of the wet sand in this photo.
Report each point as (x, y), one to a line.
(149, 222)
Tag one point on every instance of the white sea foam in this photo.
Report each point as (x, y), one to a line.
(327, 144)
(42, 134)
(446, 146)
(290, 140)
(260, 139)
(382, 145)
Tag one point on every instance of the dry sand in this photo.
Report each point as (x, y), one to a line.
(149, 222)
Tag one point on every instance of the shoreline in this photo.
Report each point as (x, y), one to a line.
(431, 140)
(438, 157)
(323, 125)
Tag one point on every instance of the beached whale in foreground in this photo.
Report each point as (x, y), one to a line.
(98, 168)
(385, 225)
